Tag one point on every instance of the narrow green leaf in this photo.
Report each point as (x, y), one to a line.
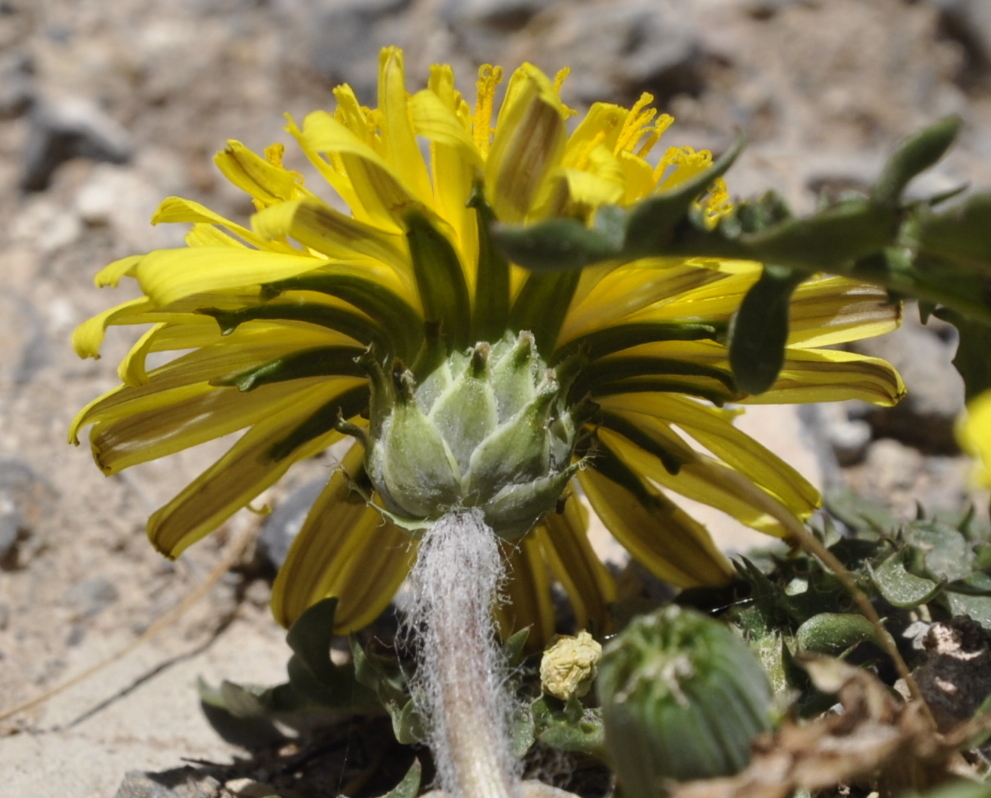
(624, 336)
(555, 245)
(620, 368)
(410, 785)
(672, 455)
(317, 361)
(916, 154)
(310, 638)
(391, 312)
(827, 241)
(345, 405)
(512, 649)
(651, 222)
(961, 234)
(542, 305)
(972, 359)
(440, 280)
(758, 330)
(491, 310)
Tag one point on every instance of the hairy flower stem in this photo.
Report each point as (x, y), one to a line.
(460, 669)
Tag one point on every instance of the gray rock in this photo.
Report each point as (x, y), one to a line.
(184, 782)
(481, 27)
(66, 129)
(619, 48)
(922, 355)
(282, 526)
(4, 615)
(25, 500)
(22, 339)
(90, 596)
(969, 22)
(341, 35)
(16, 84)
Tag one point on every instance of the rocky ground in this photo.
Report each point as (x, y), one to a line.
(107, 106)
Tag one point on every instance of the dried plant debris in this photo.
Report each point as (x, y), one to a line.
(873, 740)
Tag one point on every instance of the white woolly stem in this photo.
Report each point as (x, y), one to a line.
(460, 671)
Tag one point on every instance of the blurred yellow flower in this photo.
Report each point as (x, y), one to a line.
(278, 326)
(974, 435)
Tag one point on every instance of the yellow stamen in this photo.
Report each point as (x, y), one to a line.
(488, 78)
(274, 153)
(633, 125)
(560, 77)
(663, 122)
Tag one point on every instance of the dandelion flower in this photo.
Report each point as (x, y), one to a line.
(465, 380)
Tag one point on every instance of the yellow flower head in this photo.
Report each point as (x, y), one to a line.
(311, 323)
(974, 435)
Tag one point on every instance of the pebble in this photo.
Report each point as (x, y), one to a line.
(90, 596)
(65, 129)
(186, 782)
(282, 526)
(922, 355)
(25, 499)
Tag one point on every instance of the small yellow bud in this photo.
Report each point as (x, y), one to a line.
(568, 667)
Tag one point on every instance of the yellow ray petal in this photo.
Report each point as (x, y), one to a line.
(529, 141)
(625, 290)
(590, 587)
(528, 590)
(397, 127)
(658, 533)
(158, 432)
(177, 210)
(829, 375)
(240, 475)
(345, 549)
(834, 310)
(256, 176)
(377, 187)
(167, 275)
(713, 428)
(701, 480)
(332, 234)
(88, 337)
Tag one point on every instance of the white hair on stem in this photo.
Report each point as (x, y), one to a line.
(460, 678)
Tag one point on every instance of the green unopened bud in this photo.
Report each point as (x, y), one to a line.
(569, 666)
(485, 428)
(682, 698)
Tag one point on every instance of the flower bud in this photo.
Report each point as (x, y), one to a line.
(682, 698)
(486, 428)
(568, 667)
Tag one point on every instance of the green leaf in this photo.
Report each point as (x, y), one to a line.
(567, 726)
(828, 241)
(758, 330)
(834, 633)
(961, 234)
(407, 724)
(440, 280)
(312, 673)
(856, 511)
(512, 649)
(319, 361)
(944, 551)
(977, 607)
(561, 244)
(651, 224)
(901, 588)
(391, 312)
(916, 154)
(410, 785)
(541, 306)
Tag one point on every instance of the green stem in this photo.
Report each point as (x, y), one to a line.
(460, 670)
